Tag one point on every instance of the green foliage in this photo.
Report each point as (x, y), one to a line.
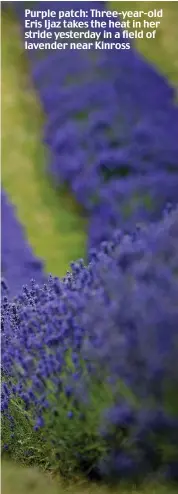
(66, 439)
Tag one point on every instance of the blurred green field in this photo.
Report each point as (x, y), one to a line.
(52, 220)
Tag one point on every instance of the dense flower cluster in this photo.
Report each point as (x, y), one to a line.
(110, 326)
(110, 115)
(18, 263)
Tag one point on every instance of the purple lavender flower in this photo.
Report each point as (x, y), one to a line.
(106, 335)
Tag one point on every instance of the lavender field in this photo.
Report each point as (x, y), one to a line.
(89, 214)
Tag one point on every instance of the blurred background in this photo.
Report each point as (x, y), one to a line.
(54, 224)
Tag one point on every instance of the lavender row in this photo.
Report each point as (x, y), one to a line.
(110, 117)
(18, 263)
(92, 360)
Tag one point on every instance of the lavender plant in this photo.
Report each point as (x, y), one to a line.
(18, 263)
(104, 131)
(89, 362)
(124, 203)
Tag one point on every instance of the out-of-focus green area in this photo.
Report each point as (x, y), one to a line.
(163, 50)
(18, 480)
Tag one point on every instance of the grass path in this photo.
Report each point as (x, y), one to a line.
(52, 221)
(17, 480)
